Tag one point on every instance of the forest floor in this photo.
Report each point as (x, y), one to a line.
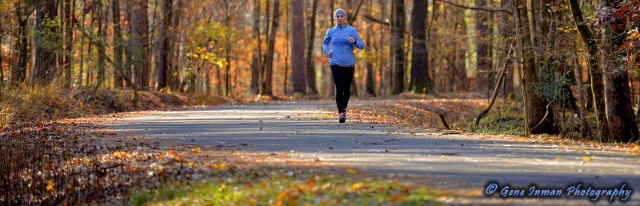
(293, 151)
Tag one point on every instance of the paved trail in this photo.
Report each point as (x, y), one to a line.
(443, 161)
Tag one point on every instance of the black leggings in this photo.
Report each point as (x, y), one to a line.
(342, 77)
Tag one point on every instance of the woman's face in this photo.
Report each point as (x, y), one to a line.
(341, 19)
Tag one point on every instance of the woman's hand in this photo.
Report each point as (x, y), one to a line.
(352, 40)
(328, 54)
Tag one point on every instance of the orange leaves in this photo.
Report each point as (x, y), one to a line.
(50, 184)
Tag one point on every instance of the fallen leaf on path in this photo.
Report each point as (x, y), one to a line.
(352, 171)
(50, 184)
(197, 150)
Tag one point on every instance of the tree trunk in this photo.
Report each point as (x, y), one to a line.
(535, 105)
(297, 52)
(507, 33)
(399, 22)
(461, 52)
(1, 67)
(595, 74)
(69, 8)
(162, 67)
(482, 44)
(118, 48)
(256, 66)
(310, 68)
(268, 75)
(227, 50)
(45, 62)
(585, 131)
(101, 46)
(140, 43)
(370, 82)
(173, 58)
(420, 80)
(620, 115)
(18, 72)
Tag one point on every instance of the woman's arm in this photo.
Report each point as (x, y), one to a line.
(359, 43)
(326, 41)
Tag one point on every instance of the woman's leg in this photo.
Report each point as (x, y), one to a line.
(342, 77)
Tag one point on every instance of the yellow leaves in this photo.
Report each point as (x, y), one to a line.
(325, 186)
(352, 171)
(217, 166)
(635, 150)
(119, 154)
(356, 186)
(196, 150)
(50, 184)
(587, 158)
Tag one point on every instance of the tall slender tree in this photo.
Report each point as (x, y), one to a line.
(297, 51)
(162, 67)
(256, 63)
(139, 43)
(45, 53)
(420, 80)
(370, 84)
(68, 9)
(620, 116)
(398, 32)
(535, 105)
(267, 84)
(118, 50)
(482, 46)
(310, 68)
(597, 86)
(100, 18)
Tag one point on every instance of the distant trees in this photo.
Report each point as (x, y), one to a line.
(216, 47)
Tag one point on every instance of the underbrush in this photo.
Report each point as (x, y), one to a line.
(35, 104)
(49, 155)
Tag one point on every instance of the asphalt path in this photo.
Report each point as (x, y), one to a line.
(308, 130)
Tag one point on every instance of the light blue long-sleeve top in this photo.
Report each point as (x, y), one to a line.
(337, 41)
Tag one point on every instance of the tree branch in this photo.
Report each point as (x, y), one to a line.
(475, 8)
(503, 73)
(373, 19)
